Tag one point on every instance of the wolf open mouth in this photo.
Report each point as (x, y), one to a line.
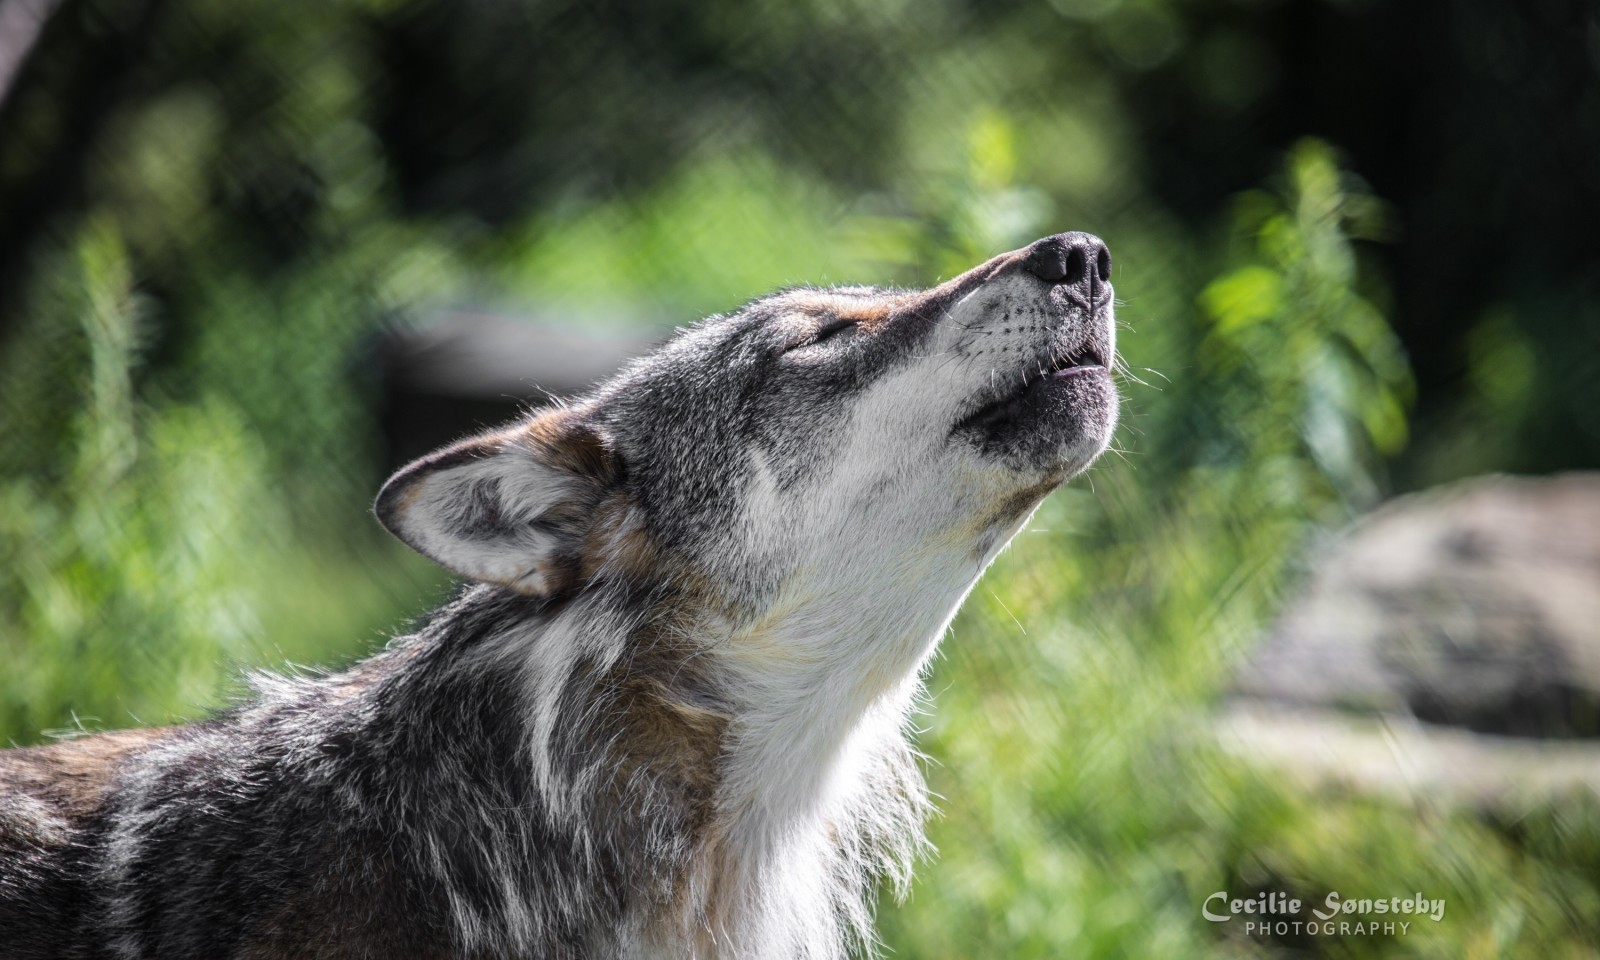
(1086, 360)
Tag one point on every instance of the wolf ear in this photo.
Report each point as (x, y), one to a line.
(510, 507)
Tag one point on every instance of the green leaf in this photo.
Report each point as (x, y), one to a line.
(1244, 297)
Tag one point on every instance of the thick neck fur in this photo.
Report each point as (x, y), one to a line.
(724, 795)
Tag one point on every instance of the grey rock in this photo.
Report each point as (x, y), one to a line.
(1475, 605)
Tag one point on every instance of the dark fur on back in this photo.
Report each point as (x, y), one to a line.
(355, 815)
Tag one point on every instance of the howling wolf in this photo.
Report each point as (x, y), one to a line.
(668, 718)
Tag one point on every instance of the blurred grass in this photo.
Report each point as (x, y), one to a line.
(162, 531)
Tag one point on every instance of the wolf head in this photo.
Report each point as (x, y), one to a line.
(813, 442)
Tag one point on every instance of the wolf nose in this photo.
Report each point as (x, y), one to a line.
(1079, 261)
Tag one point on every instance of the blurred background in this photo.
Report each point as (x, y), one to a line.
(1294, 636)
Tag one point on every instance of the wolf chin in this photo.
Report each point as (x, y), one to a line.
(669, 716)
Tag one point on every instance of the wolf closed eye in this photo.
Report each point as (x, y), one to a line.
(668, 716)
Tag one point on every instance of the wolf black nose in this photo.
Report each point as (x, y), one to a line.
(1077, 260)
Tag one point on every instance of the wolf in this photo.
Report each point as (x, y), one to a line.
(668, 716)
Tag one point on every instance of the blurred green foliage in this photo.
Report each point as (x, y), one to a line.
(189, 300)
(155, 542)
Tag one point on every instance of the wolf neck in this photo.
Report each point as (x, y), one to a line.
(817, 693)
(811, 788)
(820, 792)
